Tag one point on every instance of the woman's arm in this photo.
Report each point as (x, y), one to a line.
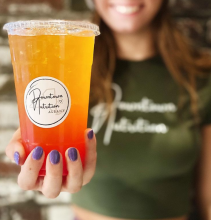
(204, 174)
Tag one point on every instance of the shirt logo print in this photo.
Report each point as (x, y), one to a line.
(100, 114)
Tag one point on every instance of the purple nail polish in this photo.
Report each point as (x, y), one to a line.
(16, 157)
(54, 156)
(73, 154)
(37, 153)
(90, 134)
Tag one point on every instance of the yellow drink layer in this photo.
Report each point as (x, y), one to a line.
(64, 57)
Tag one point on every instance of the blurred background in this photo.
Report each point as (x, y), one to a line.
(192, 16)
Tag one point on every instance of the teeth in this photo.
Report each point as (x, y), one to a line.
(126, 9)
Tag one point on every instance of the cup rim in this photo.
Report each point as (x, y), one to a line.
(62, 24)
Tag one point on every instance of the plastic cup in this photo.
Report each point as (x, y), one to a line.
(52, 63)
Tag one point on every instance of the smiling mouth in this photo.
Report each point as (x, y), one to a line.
(127, 9)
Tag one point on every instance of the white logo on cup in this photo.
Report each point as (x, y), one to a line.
(47, 102)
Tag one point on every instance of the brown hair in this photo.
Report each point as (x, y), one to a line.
(184, 62)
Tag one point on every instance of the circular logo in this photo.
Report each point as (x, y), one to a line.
(47, 101)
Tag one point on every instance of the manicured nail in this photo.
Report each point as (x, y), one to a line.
(37, 153)
(16, 157)
(54, 157)
(90, 134)
(73, 154)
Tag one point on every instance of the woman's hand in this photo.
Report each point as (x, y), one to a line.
(53, 183)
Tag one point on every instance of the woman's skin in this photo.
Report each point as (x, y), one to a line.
(130, 22)
(83, 214)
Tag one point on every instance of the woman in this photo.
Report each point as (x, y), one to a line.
(151, 111)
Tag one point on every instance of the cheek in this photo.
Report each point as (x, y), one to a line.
(101, 7)
(154, 7)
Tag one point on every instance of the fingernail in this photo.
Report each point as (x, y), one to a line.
(73, 154)
(37, 153)
(90, 134)
(54, 157)
(16, 157)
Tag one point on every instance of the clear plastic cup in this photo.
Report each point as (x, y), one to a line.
(52, 63)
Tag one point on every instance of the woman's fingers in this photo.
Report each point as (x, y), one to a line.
(77, 177)
(91, 156)
(28, 177)
(52, 183)
(74, 179)
(15, 150)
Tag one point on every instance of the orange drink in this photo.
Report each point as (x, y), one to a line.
(52, 63)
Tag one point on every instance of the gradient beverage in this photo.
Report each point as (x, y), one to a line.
(52, 63)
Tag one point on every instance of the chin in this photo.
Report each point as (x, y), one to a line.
(129, 29)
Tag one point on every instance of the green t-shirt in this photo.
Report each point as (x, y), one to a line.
(146, 150)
